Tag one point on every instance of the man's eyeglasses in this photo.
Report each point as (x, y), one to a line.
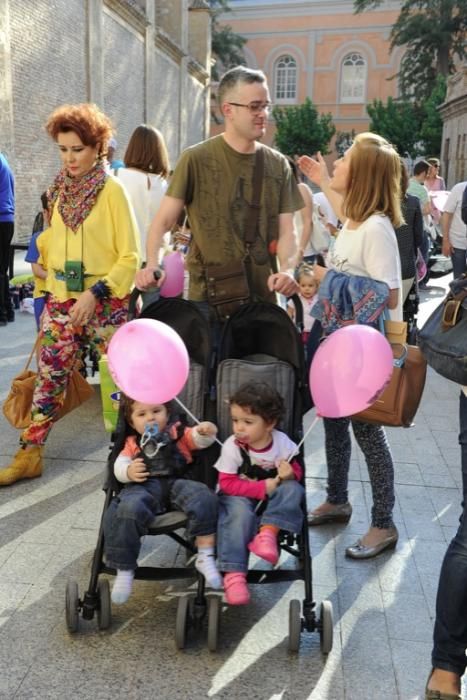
(255, 107)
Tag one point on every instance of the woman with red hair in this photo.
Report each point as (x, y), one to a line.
(92, 260)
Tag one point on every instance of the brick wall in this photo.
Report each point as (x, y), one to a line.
(45, 49)
(46, 72)
(195, 124)
(123, 79)
(166, 101)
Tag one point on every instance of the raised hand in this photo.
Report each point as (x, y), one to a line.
(315, 170)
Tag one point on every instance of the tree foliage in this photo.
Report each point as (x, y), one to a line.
(301, 130)
(227, 46)
(431, 132)
(413, 128)
(433, 33)
(397, 121)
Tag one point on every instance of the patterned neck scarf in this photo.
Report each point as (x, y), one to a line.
(76, 196)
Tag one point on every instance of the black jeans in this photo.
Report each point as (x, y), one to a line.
(7, 229)
(450, 633)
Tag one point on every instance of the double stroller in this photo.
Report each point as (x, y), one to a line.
(259, 342)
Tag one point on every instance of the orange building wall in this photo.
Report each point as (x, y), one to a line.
(318, 34)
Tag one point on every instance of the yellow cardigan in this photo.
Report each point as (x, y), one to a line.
(107, 242)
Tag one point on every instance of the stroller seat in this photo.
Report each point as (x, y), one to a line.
(166, 522)
(232, 373)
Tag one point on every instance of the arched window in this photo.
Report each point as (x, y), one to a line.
(353, 78)
(285, 79)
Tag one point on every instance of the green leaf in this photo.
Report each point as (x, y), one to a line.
(433, 35)
(301, 130)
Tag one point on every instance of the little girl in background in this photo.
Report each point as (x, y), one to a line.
(253, 467)
(152, 466)
(308, 296)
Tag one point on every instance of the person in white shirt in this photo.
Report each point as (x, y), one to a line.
(145, 176)
(454, 230)
(328, 212)
(364, 191)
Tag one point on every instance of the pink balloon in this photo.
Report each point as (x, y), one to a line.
(350, 370)
(148, 360)
(174, 270)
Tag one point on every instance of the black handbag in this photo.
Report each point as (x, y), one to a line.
(443, 338)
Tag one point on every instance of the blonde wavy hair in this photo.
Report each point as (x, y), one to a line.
(373, 180)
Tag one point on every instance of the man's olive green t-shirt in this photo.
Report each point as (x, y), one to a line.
(215, 182)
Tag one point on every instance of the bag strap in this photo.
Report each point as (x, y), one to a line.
(34, 348)
(251, 228)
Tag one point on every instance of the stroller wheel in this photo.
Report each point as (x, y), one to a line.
(104, 611)
(214, 611)
(181, 621)
(72, 606)
(325, 627)
(295, 625)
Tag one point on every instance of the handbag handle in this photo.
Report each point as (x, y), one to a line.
(34, 348)
(397, 361)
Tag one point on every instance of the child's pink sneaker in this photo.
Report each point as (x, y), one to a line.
(264, 545)
(235, 588)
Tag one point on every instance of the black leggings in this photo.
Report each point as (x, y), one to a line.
(375, 447)
(7, 229)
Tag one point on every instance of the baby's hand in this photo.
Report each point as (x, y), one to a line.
(207, 428)
(138, 471)
(271, 485)
(285, 471)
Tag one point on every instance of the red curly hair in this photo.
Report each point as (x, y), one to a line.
(87, 121)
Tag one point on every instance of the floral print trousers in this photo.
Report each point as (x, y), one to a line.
(61, 347)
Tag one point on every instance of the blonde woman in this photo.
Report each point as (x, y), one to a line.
(364, 191)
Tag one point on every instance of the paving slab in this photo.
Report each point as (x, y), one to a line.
(383, 609)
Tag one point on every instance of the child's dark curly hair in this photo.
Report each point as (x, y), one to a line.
(127, 404)
(261, 400)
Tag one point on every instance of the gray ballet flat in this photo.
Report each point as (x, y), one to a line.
(360, 551)
(339, 514)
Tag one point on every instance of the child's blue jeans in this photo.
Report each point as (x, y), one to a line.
(130, 514)
(238, 522)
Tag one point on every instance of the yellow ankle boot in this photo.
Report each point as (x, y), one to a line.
(26, 464)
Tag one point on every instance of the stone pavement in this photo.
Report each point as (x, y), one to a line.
(383, 608)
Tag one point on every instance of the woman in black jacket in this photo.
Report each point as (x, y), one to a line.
(409, 235)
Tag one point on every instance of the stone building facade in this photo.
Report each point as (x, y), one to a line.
(454, 115)
(139, 60)
(320, 49)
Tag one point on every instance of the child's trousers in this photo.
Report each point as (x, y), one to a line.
(130, 514)
(238, 522)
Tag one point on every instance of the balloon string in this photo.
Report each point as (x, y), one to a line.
(194, 417)
(297, 450)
